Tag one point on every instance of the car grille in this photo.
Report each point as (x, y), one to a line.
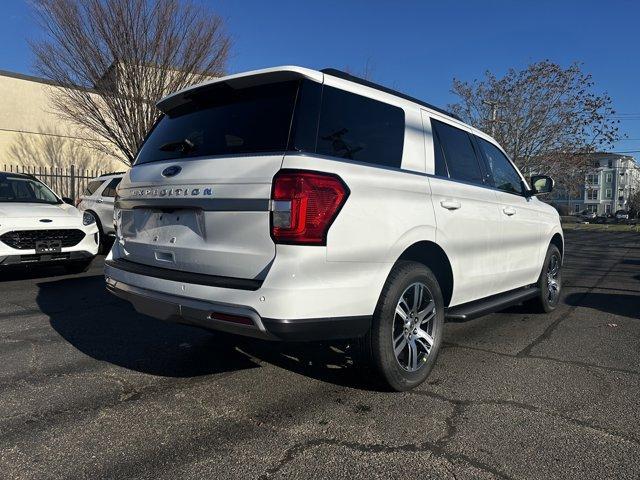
(26, 239)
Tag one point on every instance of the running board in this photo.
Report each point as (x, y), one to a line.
(478, 308)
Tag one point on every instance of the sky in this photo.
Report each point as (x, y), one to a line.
(416, 47)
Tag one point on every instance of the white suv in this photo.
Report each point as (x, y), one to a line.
(293, 204)
(98, 200)
(39, 227)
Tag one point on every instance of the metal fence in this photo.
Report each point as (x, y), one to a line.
(66, 182)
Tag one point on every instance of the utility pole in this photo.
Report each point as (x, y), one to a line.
(494, 115)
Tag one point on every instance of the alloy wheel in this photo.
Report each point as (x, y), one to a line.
(413, 327)
(553, 279)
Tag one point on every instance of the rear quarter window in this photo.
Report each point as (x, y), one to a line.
(359, 128)
(110, 190)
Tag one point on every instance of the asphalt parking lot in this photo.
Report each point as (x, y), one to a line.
(91, 389)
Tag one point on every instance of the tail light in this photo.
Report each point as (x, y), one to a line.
(304, 205)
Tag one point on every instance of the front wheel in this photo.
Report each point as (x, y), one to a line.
(550, 282)
(406, 331)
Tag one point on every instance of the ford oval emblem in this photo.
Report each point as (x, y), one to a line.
(171, 171)
(46, 220)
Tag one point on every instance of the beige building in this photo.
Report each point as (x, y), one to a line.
(31, 134)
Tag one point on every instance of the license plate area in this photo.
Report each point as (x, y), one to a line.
(48, 246)
(170, 227)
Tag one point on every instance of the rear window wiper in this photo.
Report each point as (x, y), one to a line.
(183, 146)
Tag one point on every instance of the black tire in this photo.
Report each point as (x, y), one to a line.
(380, 340)
(102, 239)
(546, 302)
(78, 266)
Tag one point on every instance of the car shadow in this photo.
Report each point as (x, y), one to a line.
(613, 303)
(108, 329)
(29, 272)
(339, 362)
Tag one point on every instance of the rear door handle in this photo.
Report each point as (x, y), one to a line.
(450, 204)
(99, 200)
(509, 211)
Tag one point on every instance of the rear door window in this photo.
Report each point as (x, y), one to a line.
(438, 155)
(459, 153)
(359, 128)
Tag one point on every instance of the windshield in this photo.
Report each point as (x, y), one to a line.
(25, 190)
(221, 120)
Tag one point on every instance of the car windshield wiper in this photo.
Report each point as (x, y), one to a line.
(183, 146)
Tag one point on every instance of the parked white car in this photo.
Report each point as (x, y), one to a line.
(37, 226)
(97, 199)
(295, 204)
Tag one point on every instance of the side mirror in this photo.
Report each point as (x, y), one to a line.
(67, 200)
(541, 184)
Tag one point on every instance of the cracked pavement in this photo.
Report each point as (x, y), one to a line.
(91, 389)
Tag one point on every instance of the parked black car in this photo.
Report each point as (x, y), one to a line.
(605, 218)
(622, 216)
(587, 216)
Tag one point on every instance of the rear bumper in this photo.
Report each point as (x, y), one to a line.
(236, 319)
(186, 277)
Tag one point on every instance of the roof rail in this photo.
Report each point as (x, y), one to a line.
(352, 78)
(111, 173)
(20, 174)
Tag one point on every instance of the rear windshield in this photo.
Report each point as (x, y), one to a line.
(299, 116)
(223, 121)
(25, 190)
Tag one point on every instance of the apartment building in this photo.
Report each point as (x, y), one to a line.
(609, 186)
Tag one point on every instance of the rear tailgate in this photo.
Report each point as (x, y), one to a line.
(212, 217)
(197, 198)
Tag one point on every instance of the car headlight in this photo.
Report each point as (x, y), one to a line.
(88, 219)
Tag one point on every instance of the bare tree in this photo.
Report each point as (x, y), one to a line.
(367, 70)
(115, 58)
(55, 147)
(634, 205)
(548, 118)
